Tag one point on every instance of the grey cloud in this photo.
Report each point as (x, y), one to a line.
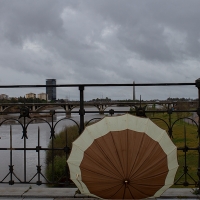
(26, 19)
(147, 20)
(148, 43)
(180, 16)
(101, 41)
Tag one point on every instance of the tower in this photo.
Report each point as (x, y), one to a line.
(133, 91)
(51, 91)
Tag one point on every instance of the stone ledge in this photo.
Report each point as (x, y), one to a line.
(69, 193)
(179, 193)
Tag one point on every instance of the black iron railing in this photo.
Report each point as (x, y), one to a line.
(26, 114)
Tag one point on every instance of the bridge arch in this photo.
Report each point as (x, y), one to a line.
(68, 108)
(101, 107)
(5, 109)
(47, 107)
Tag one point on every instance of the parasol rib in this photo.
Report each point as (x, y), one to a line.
(117, 153)
(108, 159)
(124, 191)
(153, 158)
(153, 176)
(141, 192)
(141, 172)
(137, 155)
(97, 163)
(130, 193)
(116, 191)
(86, 169)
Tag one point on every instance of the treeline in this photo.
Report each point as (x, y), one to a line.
(180, 99)
(22, 100)
(101, 99)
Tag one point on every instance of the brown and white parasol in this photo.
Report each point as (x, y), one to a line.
(123, 157)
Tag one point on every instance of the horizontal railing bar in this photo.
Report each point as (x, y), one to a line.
(35, 183)
(31, 149)
(188, 148)
(100, 102)
(97, 85)
(96, 111)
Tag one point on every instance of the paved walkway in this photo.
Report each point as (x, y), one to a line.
(26, 193)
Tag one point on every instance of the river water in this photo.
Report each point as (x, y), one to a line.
(32, 142)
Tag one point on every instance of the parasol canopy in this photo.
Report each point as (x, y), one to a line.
(123, 157)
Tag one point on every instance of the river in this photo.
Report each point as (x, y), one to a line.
(32, 142)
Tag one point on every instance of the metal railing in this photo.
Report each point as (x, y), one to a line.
(24, 117)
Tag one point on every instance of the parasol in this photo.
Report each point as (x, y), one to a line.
(123, 157)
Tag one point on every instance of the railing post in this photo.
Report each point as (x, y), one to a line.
(198, 113)
(169, 111)
(11, 182)
(81, 111)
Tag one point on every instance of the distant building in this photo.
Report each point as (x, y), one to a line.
(3, 96)
(31, 95)
(51, 91)
(42, 96)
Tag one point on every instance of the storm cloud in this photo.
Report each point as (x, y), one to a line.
(101, 41)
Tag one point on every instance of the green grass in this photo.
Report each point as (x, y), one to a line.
(180, 129)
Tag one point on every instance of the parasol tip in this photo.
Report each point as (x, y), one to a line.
(126, 182)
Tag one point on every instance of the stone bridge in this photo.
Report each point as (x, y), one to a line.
(6, 108)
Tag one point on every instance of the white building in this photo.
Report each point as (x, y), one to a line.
(42, 96)
(3, 96)
(31, 95)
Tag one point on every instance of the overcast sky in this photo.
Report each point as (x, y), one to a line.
(100, 41)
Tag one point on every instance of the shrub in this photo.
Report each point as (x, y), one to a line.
(59, 169)
(59, 157)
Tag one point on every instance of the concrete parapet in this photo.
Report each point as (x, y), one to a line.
(69, 193)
